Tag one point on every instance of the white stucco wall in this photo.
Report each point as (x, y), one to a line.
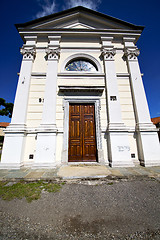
(126, 102)
(120, 64)
(30, 147)
(133, 147)
(37, 89)
(35, 108)
(40, 64)
(59, 148)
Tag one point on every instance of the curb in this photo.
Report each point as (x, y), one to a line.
(84, 178)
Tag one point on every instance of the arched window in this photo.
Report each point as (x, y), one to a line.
(81, 65)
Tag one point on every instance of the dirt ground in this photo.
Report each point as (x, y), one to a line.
(119, 209)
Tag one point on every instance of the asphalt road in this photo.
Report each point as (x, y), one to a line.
(128, 209)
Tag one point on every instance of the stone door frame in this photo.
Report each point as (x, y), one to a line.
(75, 99)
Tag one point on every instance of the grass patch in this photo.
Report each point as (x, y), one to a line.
(29, 190)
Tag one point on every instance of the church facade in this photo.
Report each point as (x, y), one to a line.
(80, 96)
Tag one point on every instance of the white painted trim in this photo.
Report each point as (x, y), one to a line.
(103, 32)
(80, 74)
(38, 74)
(122, 75)
(56, 20)
(73, 49)
(89, 49)
(79, 23)
(81, 89)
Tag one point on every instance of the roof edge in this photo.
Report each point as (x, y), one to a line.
(23, 25)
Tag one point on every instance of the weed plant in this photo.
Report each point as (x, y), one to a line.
(29, 190)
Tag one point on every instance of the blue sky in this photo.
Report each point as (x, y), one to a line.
(138, 12)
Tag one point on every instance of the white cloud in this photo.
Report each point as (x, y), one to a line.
(92, 4)
(48, 7)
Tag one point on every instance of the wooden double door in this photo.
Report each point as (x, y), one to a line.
(82, 134)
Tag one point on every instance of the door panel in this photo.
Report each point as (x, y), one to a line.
(82, 140)
(75, 141)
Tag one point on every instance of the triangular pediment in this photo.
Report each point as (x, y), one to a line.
(78, 18)
(78, 25)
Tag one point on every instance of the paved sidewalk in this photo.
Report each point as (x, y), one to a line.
(81, 171)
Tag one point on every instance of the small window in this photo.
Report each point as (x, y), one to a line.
(81, 65)
(113, 98)
(31, 156)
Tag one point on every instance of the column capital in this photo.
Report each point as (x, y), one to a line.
(52, 53)
(131, 53)
(28, 53)
(108, 53)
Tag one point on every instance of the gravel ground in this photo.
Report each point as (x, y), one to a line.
(127, 209)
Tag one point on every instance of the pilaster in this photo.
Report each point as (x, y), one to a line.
(13, 147)
(47, 131)
(117, 133)
(147, 137)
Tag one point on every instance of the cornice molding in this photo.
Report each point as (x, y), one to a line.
(103, 32)
(122, 75)
(80, 74)
(38, 74)
(95, 32)
(81, 88)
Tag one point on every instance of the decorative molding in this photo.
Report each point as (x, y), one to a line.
(145, 127)
(104, 32)
(30, 39)
(81, 88)
(131, 54)
(81, 55)
(129, 39)
(67, 101)
(47, 128)
(40, 49)
(29, 130)
(28, 53)
(117, 127)
(54, 41)
(15, 128)
(80, 74)
(88, 49)
(125, 75)
(71, 74)
(38, 74)
(108, 53)
(52, 53)
(122, 75)
(107, 39)
(73, 25)
(80, 49)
